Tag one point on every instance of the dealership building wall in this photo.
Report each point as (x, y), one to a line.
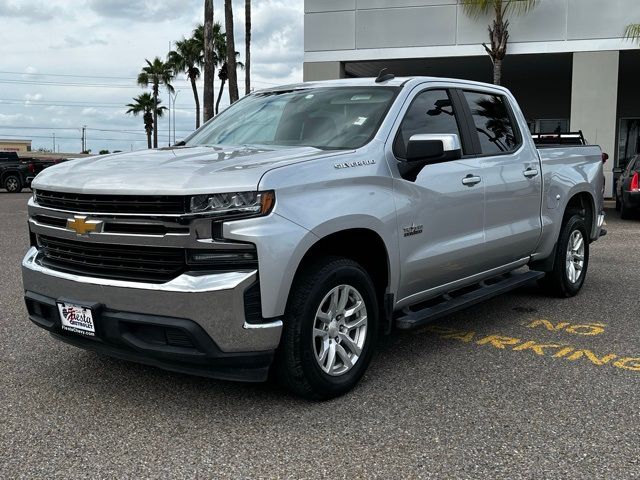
(568, 63)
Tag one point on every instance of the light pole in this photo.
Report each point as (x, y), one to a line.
(172, 100)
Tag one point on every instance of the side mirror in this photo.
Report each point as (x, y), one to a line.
(424, 149)
(431, 148)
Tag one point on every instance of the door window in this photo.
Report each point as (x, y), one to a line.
(633, 164)
(496, 131)
(430, 112)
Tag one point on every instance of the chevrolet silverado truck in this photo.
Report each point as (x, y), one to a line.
(287, 233)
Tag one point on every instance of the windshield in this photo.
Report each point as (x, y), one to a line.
(327, 118)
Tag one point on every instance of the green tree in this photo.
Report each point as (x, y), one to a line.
(632, 32)
(499, 28)
(144, 104)
(156, 73)
(223, 74)
(188, 57)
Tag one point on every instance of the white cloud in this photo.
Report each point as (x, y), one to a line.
(34, 11)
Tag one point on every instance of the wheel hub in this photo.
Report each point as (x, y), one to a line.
(575, 256)
(340, 330)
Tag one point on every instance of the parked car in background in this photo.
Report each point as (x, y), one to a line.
(628, 189)
(302, 222)
(18, 172)
(15, 174)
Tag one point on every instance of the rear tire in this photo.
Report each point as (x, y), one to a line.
(618, 205)
(571, 260)
(326, 347)
(12, 184)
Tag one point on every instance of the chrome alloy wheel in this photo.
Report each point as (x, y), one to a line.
(340, 330)
(12, 184)
(575, 256)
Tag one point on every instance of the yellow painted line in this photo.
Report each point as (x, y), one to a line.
(553, 350)
(587, 329)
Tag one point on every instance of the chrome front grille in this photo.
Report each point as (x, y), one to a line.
(149, 248)
(91, 203)
(121, 262)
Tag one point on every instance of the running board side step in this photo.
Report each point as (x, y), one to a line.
(444, 305)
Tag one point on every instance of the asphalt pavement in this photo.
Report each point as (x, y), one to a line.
(522, 386)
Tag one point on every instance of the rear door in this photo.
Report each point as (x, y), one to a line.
(511, 175)
(440, 218)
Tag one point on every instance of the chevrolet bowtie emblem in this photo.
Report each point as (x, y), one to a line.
(82, 226)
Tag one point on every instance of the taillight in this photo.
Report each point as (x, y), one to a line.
(32, 168)
(634, 183)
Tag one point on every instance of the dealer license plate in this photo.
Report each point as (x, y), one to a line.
(77, 319)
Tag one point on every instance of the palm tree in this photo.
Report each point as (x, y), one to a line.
(223, 75)
(232, 73)
(188, 58)
(204, 36)
(247, 47)
(499, 30)
(217, 57)
(632, 32)
(156, 73)
(144, 104)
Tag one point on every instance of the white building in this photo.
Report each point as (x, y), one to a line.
(567, 63)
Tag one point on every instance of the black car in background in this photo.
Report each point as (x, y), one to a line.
(628, 189)
(15, 174)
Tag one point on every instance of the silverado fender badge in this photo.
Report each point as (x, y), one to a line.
(357, 163)
(82, 226)
(412, 230)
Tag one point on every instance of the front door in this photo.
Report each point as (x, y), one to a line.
(440, 213)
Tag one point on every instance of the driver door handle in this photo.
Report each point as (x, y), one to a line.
(530, 172)
(471, 180)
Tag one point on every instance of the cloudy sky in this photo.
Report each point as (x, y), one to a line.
(69, 63)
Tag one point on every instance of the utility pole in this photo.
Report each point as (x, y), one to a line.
(84, 139)
(169, 101)
(54, 142)
(172, 100)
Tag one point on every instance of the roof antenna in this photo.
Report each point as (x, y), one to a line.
(383, 77)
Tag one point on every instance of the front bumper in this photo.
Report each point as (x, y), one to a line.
(210, 308)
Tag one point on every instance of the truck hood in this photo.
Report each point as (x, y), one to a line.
(173, 171)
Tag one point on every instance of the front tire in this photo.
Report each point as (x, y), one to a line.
(12, 184)
(330, 330)
(571, 260)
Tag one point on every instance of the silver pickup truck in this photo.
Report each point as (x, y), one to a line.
(291, 230)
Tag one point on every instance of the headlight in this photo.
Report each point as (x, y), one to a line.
(245, 204)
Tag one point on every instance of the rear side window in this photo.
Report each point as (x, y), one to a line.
(430, 112)
(493, 123)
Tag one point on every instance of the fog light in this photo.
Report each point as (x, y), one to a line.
(225, 258)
